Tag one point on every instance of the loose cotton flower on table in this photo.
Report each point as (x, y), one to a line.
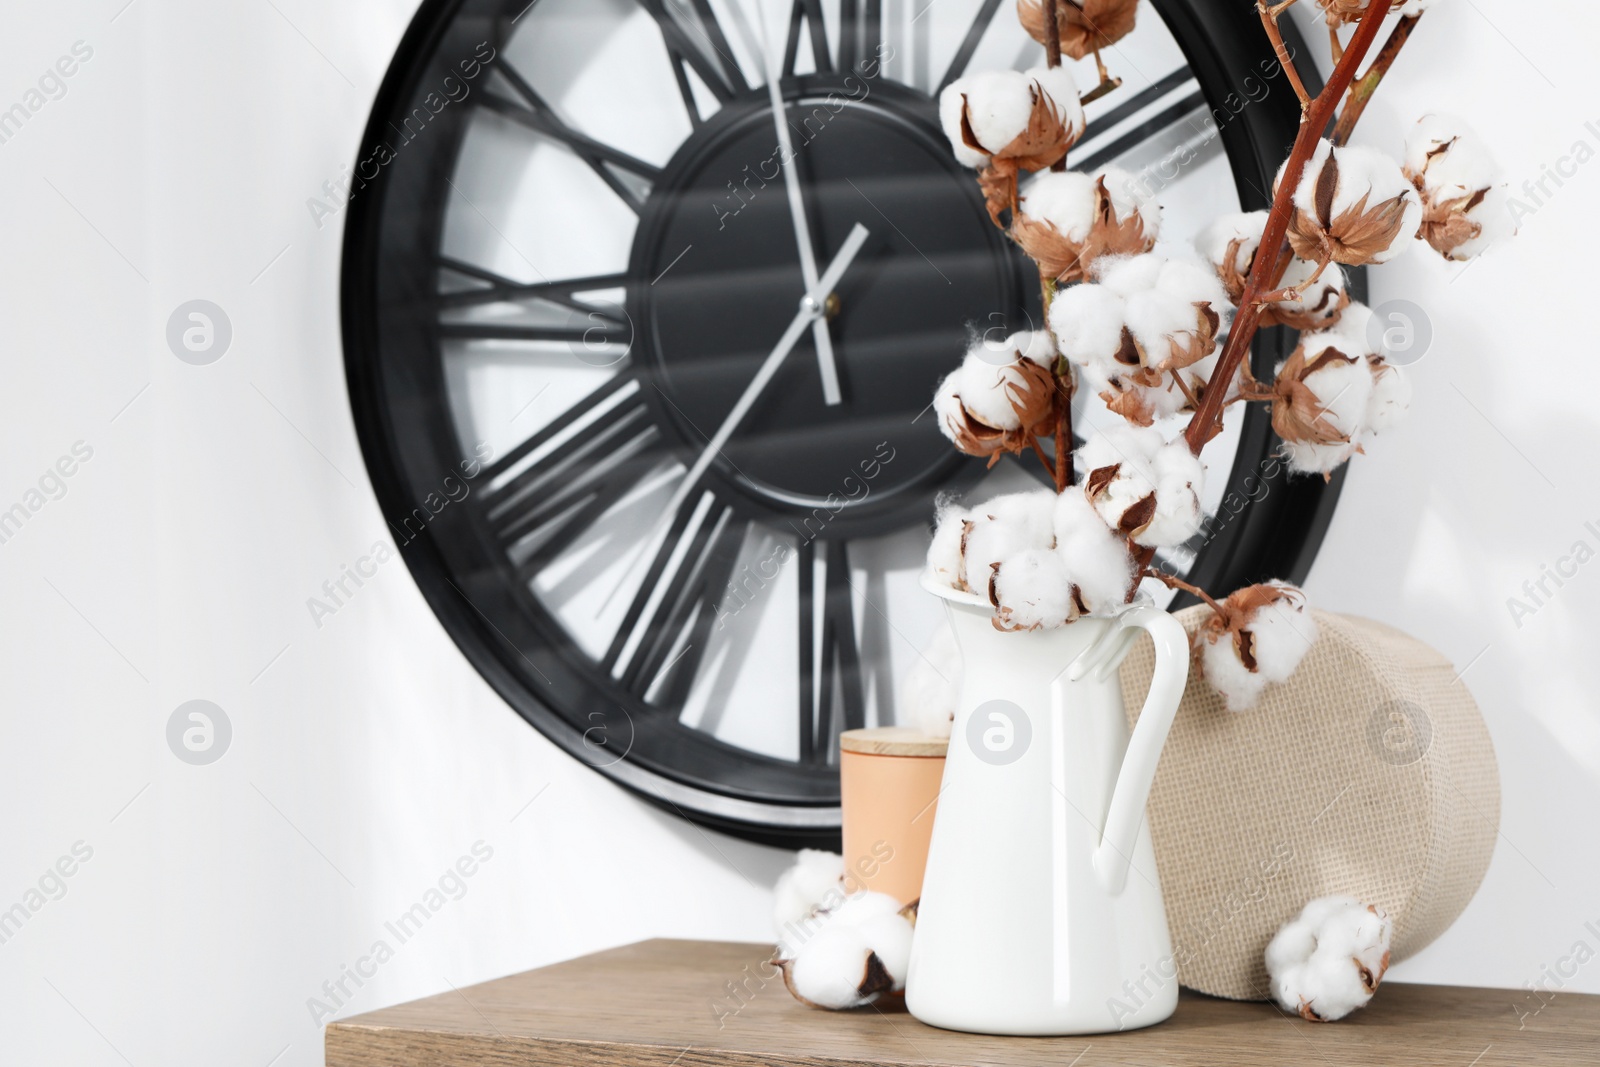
(1327, 962)
(1465, 206)
(1259, 637)
(848, 955)
(1353, 206)
(1068, 220)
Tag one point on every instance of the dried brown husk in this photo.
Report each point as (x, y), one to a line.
(1034, 398)
(1341, 12)
(1067, 261)
(1318, 316)
(1297, 412)
(1082, 26)
(1446, 224)
(1356, 236)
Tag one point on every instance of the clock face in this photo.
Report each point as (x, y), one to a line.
(571, 248)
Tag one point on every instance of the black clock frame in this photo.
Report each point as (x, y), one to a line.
(1270, 525)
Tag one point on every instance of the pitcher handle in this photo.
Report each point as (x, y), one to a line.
(1114, 855)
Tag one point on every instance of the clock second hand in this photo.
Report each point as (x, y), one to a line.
(802, 230)
(811, 307)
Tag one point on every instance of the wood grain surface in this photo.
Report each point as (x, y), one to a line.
(893, 741)
(715, 1004)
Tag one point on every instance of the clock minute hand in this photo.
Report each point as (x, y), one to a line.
(811, 304)
(802, 235)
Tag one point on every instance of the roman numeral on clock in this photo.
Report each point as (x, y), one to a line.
(832, 696)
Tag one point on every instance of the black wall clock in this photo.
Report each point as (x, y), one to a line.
(568, 251)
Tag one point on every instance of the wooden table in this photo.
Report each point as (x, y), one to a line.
(713, 1004)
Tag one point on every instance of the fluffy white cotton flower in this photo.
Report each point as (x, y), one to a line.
(1353, 206)
(816, 881)
(1010, 387)
(1259, 637)
(1143, 311)
(1327, 962)
(1070, 201)
(1002, 528)
(1465, 205)
(1069, 220)
(1143, 485)
(1032, 590)
(944, 553)
(1096, 560)
(1321, 396)
(927, 695)
(850, 955)
(989, 114)
(1230, 243)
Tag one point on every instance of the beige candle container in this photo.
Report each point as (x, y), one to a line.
(889, 780)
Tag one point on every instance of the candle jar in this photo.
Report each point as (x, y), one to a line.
(888, 790)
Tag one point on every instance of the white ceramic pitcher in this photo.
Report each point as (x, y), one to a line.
(1030, 921)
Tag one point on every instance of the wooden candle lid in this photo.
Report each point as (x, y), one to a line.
(892, 741)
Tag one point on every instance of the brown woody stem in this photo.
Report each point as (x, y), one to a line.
(1065, 475)
(1269, 19)
(1362, 88)
(1174, 582)
(1207, 420)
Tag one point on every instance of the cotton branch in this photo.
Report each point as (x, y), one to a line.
(1361, 89)
(1207, 420)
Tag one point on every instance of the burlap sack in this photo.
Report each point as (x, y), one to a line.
(1369, 773)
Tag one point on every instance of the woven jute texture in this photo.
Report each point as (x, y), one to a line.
(1369, 773)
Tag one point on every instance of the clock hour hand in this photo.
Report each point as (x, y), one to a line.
(810, 311)
(802, 231)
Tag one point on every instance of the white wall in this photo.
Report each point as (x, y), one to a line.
(218, 498)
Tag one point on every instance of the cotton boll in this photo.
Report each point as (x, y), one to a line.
(1070, 221)
(1239, 686)
(1328, 961)
(997, 105)
(1004, 527)
(836, 970)
(1143, 486)
(1173, 308)
(1284, 632)
(1096, 559)
(1259, 636)
(1087, 321)
(889, 939)
(1354, 206)
(1321, 396)
(1466, 207)
(944, 553)
(1014, 396)
(850, 955)
(815, 881)
(929, 690)
(1061, 88)
(1031, 591)
(1240, 232)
